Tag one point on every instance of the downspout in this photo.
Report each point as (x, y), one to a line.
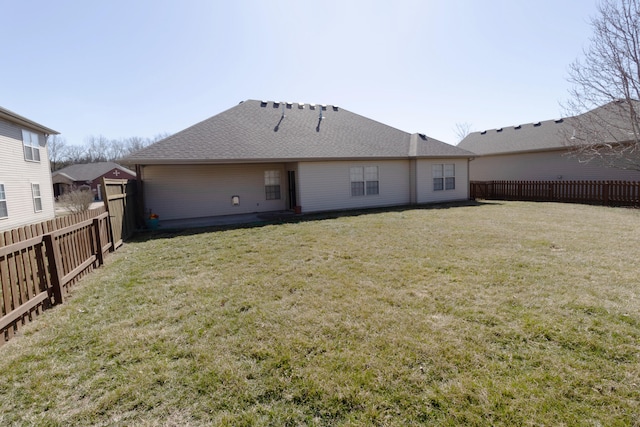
(469, 160)
(413, 170)
(140, 207)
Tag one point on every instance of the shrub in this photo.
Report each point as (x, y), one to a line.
(77, 200)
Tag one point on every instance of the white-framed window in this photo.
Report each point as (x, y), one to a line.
(364, 181)
(444, 177)
(272, 184)
(37, 197)
(31, 146)
(4, 211)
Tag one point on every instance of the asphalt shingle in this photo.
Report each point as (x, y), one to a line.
(269, 131)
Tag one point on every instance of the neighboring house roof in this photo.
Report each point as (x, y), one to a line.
(89, 171)
(23, 121)
(607, 121)
(539, 136)
(258, 131)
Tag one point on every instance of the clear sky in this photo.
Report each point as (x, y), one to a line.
(122, 68)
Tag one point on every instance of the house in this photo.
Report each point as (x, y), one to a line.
(540, 151)
(88, 177)
(26, 193)
(271, 156)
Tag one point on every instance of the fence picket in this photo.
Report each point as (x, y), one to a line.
(40, 263)
(608, 193)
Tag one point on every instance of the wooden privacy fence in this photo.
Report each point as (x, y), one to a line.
(608, 193)
(40, 263)
(119, 199)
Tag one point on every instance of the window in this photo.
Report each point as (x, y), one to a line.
(444, 177)
(4, 213)
(272, 185)
(364, 181)
(37, 198)
(31, 146)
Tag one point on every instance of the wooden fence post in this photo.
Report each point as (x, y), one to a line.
(98, 241)
(605, 193)
(55, 264)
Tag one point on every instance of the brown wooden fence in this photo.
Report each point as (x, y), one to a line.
(40, 263)
(608, 193)
(119, 199)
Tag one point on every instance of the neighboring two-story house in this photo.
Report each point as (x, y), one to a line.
(26, 191)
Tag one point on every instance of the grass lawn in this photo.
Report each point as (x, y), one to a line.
(500, 314)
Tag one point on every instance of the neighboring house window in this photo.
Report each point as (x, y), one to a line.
(364, 181)
(31, 146)
(37, 197)
(272, 185)
(444, 177)
(4, 212)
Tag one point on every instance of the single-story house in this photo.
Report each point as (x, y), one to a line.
(26, 194)
(88, 176)
(262, 156)
(539, 151)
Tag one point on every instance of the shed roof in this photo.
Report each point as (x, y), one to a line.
(258, 131)
(89, 171)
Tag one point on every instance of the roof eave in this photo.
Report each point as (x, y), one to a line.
(23, 121)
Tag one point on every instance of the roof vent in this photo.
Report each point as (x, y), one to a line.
(289, 104)
(276, 104)
(335, 108)
(324, 107)
(301, 105)
(312, 106)
(483, 132)
(518, 127)
(263, 103)
(537, 124)
(499, 130)
(559, 120)
(423, 136)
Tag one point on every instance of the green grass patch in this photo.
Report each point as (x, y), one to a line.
(493, 314)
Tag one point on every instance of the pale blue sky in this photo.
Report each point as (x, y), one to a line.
(124, 68)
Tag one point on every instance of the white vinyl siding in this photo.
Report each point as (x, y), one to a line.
(543, 166)
(31, 146)
(426, 189)
(196, 191)
(325, 186)
(17, 174)
(4, 211)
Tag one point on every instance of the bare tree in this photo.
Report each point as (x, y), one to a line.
(605, 126)
(462, 130)
(75, 153)
(56, 147)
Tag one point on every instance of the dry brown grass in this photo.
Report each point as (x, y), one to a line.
(496, 314)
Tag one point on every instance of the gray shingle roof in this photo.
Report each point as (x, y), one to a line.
(89, 171)
(603, 124)
(23, 121)
(256, 131)
(545, 135)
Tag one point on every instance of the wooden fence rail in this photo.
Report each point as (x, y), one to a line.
(40, 263)
(608, 193)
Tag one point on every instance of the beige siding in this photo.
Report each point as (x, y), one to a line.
(546, 166)
(195, 191)
(424, 181)
(326, 186)
(17, 175)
